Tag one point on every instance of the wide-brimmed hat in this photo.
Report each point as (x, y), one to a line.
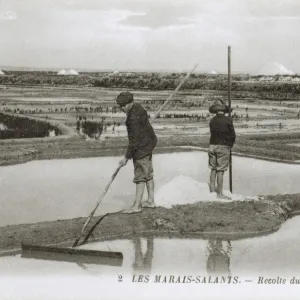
(124, 98)
(219, 106)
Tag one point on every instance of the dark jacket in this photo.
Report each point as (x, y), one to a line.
(222, 131)
(141, 136)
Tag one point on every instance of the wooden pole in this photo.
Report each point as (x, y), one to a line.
(229, 105)
(173, 93)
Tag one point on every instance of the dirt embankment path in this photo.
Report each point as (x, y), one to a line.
(228, 221)
(73, 146)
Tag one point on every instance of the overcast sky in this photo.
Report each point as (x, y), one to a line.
(150, 34)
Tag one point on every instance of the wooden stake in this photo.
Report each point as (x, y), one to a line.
(229, 104)
(173, 93)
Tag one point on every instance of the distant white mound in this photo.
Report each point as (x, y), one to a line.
(214, 72)
(67, 72)
(1, 73)
(116, 72)
(61, 72)
(274, 68)
(185, 190)
(72, 72)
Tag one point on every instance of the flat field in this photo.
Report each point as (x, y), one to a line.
(261, 124)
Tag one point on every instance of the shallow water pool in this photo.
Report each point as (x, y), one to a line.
(272, 255)
(60, 189)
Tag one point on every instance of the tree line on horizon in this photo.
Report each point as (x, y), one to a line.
(153, 81)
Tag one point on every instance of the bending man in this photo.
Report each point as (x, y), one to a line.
(221, 141)
(142, 141)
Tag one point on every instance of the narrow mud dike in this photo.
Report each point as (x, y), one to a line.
(227, 221)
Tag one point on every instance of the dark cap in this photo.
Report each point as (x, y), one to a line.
(218, 106)
(124, 98)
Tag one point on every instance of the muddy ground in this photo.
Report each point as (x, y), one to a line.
(234, 220)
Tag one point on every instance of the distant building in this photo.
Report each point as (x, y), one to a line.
(1, 73)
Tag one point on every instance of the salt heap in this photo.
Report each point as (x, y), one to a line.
(185, 190)
(274, 68)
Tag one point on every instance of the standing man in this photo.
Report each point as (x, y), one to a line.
(142, 141)
(221, 141)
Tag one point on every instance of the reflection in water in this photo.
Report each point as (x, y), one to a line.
(218, 261)
(271, 255)
(218, 257)
(142, 263)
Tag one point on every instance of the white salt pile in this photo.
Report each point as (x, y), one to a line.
(185, 190)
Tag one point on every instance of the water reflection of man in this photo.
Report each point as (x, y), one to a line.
(218, 261)
(143, 263)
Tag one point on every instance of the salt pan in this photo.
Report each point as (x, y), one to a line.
(186, 190)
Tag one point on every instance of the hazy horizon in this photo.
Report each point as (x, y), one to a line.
(149, 34)
(82, 70)
(25, 68)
